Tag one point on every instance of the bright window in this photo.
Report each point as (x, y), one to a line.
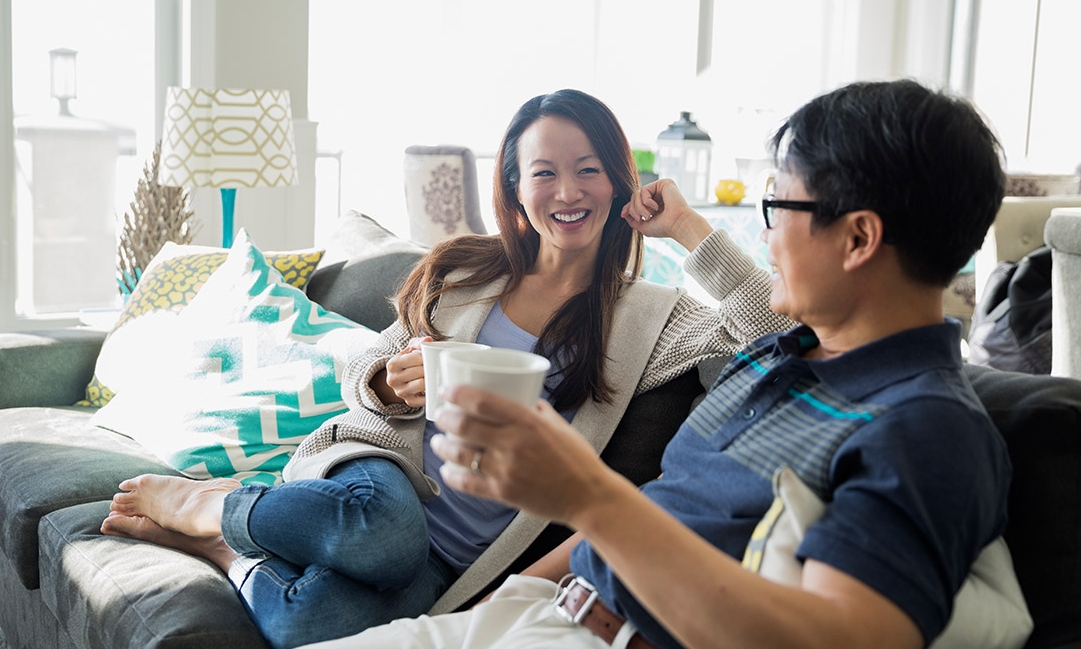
(1025, 81)
(76, 173)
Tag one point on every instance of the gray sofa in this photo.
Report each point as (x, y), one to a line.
(63, 584)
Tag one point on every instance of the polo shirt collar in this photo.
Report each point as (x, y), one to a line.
(871, 367)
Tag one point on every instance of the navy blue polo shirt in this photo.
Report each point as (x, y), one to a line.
(890, 434)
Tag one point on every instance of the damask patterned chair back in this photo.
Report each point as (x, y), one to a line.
(441, 194)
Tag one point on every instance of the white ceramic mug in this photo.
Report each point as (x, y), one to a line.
(511, 374)
(431, 352)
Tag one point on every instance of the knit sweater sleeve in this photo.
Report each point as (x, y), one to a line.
(356, 391)
(695, 331)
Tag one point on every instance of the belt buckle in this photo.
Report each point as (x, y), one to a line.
(586, 606)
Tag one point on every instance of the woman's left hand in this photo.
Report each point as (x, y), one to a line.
(660, 210)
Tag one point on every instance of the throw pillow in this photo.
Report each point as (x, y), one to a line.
(364, 266)
(172, 279)
(662, 262)
(988, 611)
(230, 385)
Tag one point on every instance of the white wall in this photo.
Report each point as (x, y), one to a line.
(459, 70)
(388, 75)
(7, 178)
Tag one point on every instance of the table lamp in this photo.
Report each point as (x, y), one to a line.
(214, 137)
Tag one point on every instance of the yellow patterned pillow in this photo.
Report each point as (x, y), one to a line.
(173, 278)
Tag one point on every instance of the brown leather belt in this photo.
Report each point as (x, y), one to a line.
(579, 603)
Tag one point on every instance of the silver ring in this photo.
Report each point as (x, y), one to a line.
(474, 466)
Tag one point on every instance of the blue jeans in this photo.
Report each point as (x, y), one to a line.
(328, 558)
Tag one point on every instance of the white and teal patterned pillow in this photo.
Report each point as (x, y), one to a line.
(662, 262)
(230, 385)
(173, 278)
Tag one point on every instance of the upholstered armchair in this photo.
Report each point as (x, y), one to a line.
(1023, 224)
(1018, 230)
(441, 193)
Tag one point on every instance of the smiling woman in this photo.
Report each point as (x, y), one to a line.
(564, 190)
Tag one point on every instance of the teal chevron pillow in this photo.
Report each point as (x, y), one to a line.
(229, 386)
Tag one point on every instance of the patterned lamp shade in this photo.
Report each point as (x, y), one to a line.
(227, 139)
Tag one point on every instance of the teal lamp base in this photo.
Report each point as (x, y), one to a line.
(228, 201)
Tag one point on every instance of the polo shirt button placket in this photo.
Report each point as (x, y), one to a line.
(749, 413)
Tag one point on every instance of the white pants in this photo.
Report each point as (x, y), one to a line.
(519, 615)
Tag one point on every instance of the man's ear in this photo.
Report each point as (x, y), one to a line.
(863, 237)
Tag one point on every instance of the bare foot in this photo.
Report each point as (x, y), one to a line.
(191, 507)
(213, 549)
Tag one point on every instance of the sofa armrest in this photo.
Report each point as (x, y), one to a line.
(47, 368)
(1063, 235)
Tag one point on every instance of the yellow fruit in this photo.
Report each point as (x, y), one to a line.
(730, 192)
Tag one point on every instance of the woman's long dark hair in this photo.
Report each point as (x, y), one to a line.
(577, 333)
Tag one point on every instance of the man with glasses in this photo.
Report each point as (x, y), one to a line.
(884, 191)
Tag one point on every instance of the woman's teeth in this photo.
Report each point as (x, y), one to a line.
(570, 218)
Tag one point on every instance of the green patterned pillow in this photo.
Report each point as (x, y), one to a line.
(173, 278)
(236, 379)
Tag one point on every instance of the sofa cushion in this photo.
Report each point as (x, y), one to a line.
(51, 458)
(1040, 419)
(172, 279)
(115, 592)
(237, 379)
(364, 266)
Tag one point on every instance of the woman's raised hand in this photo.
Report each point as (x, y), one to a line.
(660, 210)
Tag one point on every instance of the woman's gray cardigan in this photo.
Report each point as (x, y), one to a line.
(658, 333)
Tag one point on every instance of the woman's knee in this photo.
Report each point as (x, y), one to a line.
(387, 525)
(381, 496)
(293, 608)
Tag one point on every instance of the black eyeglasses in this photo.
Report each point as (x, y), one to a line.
(769, 204)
